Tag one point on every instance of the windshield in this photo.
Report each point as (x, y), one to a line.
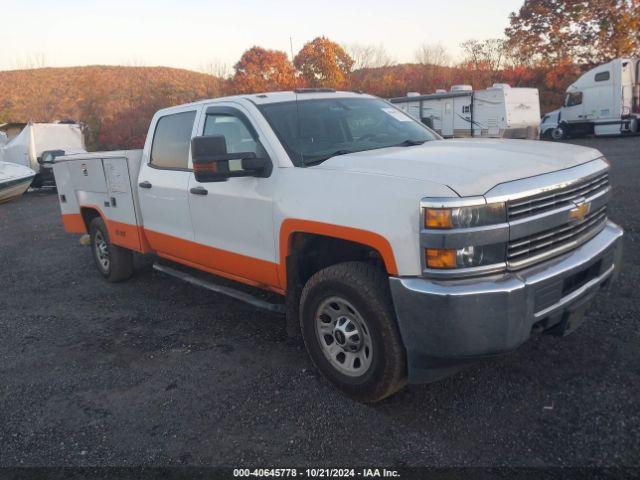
(314, 130)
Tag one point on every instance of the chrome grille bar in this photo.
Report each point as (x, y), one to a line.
(533, 205)
(526, 250)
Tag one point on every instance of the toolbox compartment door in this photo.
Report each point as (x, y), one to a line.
(119, 207)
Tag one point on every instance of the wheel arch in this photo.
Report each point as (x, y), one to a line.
(296, 234)
(88, 213)
(307, 247)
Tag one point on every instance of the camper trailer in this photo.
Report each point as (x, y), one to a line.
(498, 112)
(36, 139)
(603, 101)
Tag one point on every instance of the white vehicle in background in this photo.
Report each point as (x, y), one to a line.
(37, 145)
(497, 112)
(603, 101)
(399, 256)
(14, 180)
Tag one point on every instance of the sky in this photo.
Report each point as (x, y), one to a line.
(192, 34)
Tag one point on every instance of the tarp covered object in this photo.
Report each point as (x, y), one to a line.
(36, 138)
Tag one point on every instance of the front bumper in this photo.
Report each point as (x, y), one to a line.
(447, 323)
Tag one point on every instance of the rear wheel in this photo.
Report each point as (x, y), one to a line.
(349, 328)
(113, 262)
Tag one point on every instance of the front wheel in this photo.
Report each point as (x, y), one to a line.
(558, 133)
(349, 328)
(113, 262)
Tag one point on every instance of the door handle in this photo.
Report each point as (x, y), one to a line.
(199, 191)
(144, 184)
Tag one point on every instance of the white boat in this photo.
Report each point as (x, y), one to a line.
(14, 180)
(35, 140)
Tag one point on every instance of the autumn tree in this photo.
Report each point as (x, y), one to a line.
(324, 63)
(581, 31)
(261, 70)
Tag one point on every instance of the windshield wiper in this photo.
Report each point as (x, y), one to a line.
(315, 161)
(409, 143)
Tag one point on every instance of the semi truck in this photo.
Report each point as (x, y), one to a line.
(496, 112)
(397, 255)
(603, 101)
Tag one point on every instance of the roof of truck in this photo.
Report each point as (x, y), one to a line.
(301, 94)
(279, 97)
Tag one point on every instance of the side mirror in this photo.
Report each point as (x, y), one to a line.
(212, 163)
(48, 157)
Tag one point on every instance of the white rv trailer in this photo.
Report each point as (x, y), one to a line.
(603, 101)
(35, 139)
(498, 112)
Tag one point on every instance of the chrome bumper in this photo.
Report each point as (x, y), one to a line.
(447, 323)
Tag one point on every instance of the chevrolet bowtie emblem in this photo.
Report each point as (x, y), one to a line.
(580, 211)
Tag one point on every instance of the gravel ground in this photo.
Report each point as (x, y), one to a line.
(154, 372)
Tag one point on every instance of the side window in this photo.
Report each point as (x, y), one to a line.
(236, 134)
(602, 76)
(573, 99)
(171, 140)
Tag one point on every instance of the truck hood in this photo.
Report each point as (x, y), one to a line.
(467, 166)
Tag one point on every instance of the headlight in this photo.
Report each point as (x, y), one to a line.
(465, 223)
(465, 217)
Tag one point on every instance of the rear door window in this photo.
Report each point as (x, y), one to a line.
(172, 140)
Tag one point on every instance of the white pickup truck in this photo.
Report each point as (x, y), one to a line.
(400, 256)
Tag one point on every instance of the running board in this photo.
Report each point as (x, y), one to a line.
(229, 292)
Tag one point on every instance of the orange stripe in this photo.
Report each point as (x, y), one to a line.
(126, 235)
(249, 270)
(237, 267)
(121, 234)
(364, 237)
(73, 223)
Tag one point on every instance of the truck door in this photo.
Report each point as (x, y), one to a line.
(233, 220)
(573, 110)
(163, 184)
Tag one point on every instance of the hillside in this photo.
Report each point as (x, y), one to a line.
(99, 95)
(47, 94)
(116, 103)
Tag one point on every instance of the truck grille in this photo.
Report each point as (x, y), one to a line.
(518, 209)
(527, 250)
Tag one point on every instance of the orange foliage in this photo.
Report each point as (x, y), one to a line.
(101, 97)
(261, 70)
(324, 63)
(115, 104)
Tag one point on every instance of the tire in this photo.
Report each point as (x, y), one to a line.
(114, 263)
(558, 133)
(37, 181)
(546, 135)
(356, 346)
